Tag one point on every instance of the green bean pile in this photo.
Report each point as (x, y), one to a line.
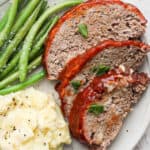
(23, 30)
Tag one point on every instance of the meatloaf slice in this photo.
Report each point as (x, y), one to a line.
(108, 53)
(99, 110)
(104, 20)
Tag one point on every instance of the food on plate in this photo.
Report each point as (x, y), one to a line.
(31, 120)
(95, 62)
(4, 34)
(94, 50)
(85, 26)
(23, 31)
(24, 58)
(14, 76)
(83, 51)
(3, 20)
(99, 110)
(31, 80)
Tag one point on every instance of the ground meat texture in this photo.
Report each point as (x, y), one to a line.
(102, 129)
(129, 55)
(117, 91)
(104, 19)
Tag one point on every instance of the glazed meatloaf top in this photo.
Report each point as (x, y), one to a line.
(81, 70)
(104, 20)
(99, 110)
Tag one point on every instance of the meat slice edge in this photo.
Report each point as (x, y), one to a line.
(117, 91)
(108, 53)
(121, 22)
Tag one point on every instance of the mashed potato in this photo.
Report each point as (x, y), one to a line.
(30, 120)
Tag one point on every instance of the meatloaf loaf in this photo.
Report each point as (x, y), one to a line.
(80, 70)
(104, 19)
(99, 110)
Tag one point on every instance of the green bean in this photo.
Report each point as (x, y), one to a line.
(11, 17)
(10, 66)
(44, 6)
(24, 14)
(45, 24)
(13, 62)
(42, 32)
(18, 38)
(14, 76)
(35, 63)
(4, 20)
(23, 63)
(22, 4)
(41, 40)
(22, 17)
(30, 81)
(34, 52)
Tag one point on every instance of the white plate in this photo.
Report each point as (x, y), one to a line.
(138, 120)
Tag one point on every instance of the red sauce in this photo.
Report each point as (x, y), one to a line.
(76, 64)
(78, 10)
(92, 94)
(60, 88)
(82, 101)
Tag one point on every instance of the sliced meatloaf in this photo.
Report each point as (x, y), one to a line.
(99, 110)
(108, 53)
(104, 19)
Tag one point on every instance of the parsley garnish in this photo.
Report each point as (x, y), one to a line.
(96, 109)
(76, 85)
(83, 30)
(100, 70)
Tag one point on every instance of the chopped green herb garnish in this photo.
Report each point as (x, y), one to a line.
(100, 70)
(83, 30)
(96, 109)
(94, 69)
(76, 85)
